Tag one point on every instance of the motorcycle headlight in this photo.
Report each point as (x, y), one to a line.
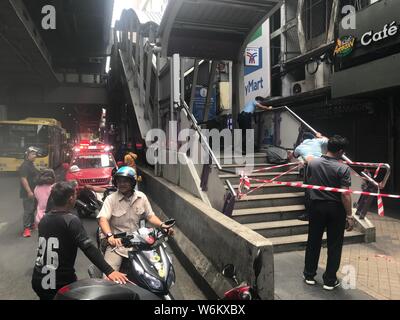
(171, 277)
(153, 282)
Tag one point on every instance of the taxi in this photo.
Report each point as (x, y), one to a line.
(91, 164)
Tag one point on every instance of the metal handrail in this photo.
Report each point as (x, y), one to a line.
(202, 137)
(380, 185)
(230, 187)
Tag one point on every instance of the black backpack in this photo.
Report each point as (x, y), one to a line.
(277, 155)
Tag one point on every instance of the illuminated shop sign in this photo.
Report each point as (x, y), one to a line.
(388, 31)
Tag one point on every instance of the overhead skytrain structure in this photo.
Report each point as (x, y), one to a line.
(155, 65)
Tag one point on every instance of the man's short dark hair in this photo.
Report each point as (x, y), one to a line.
(61, 192)
(337, 143)
(259, 98)
(308, 135)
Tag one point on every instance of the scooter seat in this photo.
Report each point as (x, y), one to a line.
(100, 289)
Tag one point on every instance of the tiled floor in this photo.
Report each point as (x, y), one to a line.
(377, 264)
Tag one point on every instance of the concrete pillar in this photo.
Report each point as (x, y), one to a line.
(175, 84)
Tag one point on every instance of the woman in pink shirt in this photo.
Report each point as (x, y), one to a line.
(42, 192)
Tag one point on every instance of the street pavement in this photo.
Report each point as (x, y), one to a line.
(375, 266)
(17, 254)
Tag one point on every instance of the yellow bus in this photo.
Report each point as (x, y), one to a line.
(43, 133)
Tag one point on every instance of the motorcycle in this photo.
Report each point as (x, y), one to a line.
(145, 268)
(243, 291)
(148, 265)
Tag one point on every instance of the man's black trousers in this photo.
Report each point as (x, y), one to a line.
(244, 120)
(329, 215)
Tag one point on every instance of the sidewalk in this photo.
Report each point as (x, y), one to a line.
(377, 264)
(289, 284)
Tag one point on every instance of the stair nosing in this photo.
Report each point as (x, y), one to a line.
(267, 210)
(301, 238)
(272, 196)
(256, 155)
(259, 174)
(265, 185)
(247, 164)
(269, 225)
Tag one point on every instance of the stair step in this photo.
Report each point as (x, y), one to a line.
(299, 242)
(257, 158)
(234, 178)
(256, 166)
(265, 214)
(270, 200)
(270, 188)
(272, 196)
(279, 228)
(276, 224)
(238, 155)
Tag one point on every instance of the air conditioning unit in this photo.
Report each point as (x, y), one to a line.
(300, 87)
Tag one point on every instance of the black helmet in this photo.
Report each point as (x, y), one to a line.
(125, 172)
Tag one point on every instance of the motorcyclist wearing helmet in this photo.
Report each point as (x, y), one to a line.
(122, 212)
(28, 174)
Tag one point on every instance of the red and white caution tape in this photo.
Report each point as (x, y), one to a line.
(381, 210)
(282, 174)
(330, 189)
(245, 181)
(379, 195)
(276, 167)
(377, 170)
(364, 164)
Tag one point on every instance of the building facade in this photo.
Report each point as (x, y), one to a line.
(336, 64)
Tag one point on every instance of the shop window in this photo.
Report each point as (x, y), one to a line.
(316, 14)
(358, 4)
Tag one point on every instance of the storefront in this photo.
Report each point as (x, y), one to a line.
(367, 64)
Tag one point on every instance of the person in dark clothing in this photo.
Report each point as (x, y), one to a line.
(28, 175)
(312, 146)
(245, 117)
(60, 235)
(329, 210)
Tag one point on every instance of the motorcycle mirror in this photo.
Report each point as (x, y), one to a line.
(120, 235)
(257, 264)
(229, 271)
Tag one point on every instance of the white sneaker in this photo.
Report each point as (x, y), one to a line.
(309, 281)
(330, 288)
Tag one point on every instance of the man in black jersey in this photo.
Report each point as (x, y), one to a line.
(60, 235)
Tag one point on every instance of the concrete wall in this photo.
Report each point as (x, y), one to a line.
(3, 112)
(220, 239)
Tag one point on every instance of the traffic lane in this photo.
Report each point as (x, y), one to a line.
(18, 253)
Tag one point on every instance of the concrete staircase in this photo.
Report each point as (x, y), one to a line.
(272, 210)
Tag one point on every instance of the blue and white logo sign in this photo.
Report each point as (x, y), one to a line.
(256, 64)
(252, 58)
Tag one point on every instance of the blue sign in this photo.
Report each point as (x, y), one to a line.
(200, 101)
(253, 60)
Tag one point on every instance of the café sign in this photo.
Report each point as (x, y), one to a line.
(388, 31)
